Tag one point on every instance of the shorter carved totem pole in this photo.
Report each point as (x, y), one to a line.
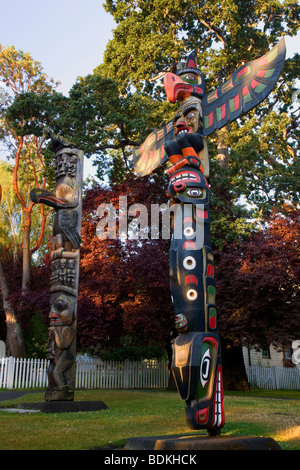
(67, 202)
(197, 362)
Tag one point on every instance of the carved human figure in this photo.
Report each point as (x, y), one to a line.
(62, 342)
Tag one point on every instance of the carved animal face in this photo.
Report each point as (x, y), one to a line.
(62, 310)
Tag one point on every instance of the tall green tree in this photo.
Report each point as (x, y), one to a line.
(152, 36)
(21, 74)
(254, 165)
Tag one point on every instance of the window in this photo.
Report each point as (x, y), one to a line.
(265, 353)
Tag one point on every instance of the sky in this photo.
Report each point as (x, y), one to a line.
(68, 37)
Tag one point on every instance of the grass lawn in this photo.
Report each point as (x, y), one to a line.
(133, 413)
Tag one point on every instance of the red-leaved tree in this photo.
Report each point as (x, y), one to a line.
(124, 305)
(258, 286)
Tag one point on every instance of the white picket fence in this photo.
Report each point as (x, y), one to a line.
(273, 378)
(97, 374)
(90, 374)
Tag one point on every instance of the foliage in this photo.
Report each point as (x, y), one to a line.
(124, 299)
(22, 75)
(258, 285)
(31, 307)
(36, 336)
(151, 36)
(95, 117)
(124, 307)
(12, 216)
(261, 170)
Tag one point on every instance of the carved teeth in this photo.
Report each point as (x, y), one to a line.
(183, 177)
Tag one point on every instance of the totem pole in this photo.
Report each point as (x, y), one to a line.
(197, 361)
(67, 202)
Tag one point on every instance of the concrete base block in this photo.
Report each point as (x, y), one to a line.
(201, 442)
(64, 406)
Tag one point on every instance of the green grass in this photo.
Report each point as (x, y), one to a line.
(145, 413)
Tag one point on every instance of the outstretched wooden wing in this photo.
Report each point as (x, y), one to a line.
(245, 89)
(151, 154)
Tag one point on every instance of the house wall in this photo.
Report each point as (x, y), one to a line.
(275, 358)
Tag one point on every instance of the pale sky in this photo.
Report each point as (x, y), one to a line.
(68, 37)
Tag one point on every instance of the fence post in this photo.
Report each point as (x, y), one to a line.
(274, 378)
(126, 373)
(10, 372)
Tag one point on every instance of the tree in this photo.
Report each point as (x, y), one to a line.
(21, 74)
(258, 285)
(254, 166)
(14, 332)
(150, 39)
(124, 299)
(24, 315)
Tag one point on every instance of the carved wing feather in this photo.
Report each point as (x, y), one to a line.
(245, 89)
(151, 154)
(68, 224)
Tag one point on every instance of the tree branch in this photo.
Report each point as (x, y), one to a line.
(120, 145)
(214, 29)
(15, 174)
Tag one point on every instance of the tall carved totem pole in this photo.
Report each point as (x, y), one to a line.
(67, 202)
(197, 362)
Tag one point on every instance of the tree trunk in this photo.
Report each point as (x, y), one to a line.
(26, 253)
(171, 382)
(234, 372)
(222, 147)
(14, 333)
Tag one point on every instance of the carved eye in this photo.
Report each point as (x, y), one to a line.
(61, 305)
(190, 78)
(192, 294)
(190, 115)
(205, 368)
(188, 231)
(194, 192)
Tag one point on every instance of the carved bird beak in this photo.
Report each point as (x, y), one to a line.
(41, 196)
(176, 89)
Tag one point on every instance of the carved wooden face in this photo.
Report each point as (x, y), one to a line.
(187, 118)
(67, 192)
(62, 310)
